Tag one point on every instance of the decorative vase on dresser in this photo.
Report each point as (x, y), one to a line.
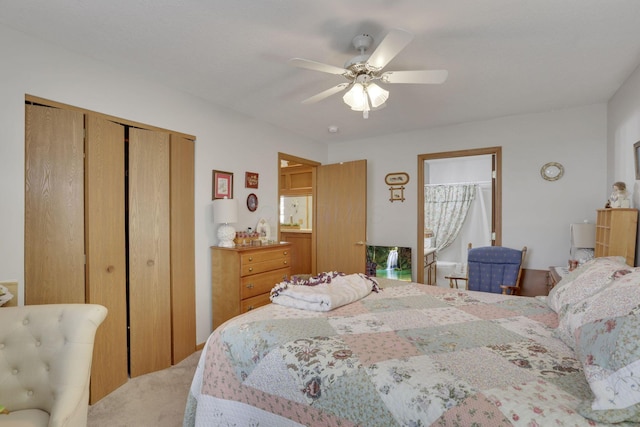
(243, 276)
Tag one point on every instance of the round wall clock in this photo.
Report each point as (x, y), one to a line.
(252, 202)
(552, 171)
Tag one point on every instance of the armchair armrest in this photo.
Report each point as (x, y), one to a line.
(509, 290)
(453, 281)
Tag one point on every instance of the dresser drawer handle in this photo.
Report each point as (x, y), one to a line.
(250, 258)
(285, 262)
(250, 268)
(250, 308)
(250, 286)
(285, 252)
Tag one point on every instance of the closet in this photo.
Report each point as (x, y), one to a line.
(109, 219)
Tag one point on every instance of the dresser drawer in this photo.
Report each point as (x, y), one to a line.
(254, 302)
(265, 255)
(260, 262)
(262, 283)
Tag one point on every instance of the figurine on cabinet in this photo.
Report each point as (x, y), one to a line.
(619, 198)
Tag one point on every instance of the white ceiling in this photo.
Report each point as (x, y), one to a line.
(504, 57)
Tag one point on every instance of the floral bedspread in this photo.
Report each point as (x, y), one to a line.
(410, 355)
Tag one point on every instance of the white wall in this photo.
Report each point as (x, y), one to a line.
(624, 131)
(535, 212)
(225, 141)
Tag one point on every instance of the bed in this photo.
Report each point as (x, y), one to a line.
(419, 355)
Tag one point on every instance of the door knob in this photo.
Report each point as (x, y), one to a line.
(360, 243)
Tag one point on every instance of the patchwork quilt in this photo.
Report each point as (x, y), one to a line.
(410, 355)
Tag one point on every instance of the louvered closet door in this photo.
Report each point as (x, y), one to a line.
(105, 245)
(149, 256)
(54, 206)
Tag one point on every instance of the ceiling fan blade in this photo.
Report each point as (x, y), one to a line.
(317, 66)
(416, 76)
(389, 47)
(327, 93)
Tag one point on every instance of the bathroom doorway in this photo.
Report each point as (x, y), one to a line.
(470, 181)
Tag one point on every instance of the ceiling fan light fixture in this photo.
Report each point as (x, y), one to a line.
(377, 95)
(356, 97)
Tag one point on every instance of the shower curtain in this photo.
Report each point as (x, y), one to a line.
(446, 208)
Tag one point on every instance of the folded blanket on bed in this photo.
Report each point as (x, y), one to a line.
(338, 291)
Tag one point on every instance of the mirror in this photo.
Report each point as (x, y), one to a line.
(296, 212)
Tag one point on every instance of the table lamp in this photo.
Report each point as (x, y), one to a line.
(225, 212)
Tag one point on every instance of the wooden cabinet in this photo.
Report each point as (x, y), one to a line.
(242, 277)
(296, 180)
(616, 233)
(430, 268)
(301, 250)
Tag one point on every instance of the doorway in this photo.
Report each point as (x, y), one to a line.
(476, 176)
(296, 207)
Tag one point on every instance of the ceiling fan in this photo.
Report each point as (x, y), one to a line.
(362, 70)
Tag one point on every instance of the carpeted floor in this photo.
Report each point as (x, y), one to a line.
(155, 400)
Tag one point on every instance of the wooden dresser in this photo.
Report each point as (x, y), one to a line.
(243, 276)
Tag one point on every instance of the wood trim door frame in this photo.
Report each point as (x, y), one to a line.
(299, 160)
(496, 199)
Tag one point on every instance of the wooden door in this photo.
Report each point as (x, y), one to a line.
(149, 259)
(183, 281)
(341, 217)
(54, 206)
(106, 267)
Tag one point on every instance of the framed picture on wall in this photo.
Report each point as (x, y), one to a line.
(251, 180)
(636, 157)
(222, 185)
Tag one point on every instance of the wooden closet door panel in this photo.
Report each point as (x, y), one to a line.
(106, 267)
(54, 212)
(183, 282)
(149, 258)
(341, 217)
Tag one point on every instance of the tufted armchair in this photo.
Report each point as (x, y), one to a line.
(45, 363)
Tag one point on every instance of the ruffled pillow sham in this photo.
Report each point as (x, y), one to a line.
(605, 330)
(584, 281)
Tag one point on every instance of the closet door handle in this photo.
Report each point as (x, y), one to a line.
(360, 243)
(150, 263)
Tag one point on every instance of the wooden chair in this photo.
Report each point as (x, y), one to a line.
(495, 269)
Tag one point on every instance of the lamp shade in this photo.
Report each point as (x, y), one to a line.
(356, 97)
(225, 211)
(377, 95)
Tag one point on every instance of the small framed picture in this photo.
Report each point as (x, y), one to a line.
(222, 185)
(397, 194)
(636, 157)
(251, 180)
